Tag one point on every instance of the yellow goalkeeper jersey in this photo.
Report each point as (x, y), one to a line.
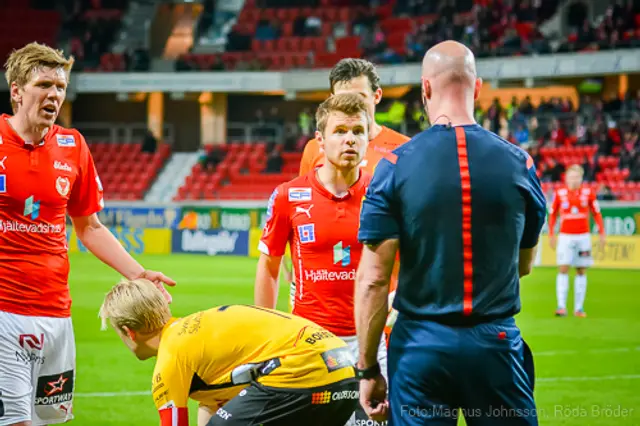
(210, 356)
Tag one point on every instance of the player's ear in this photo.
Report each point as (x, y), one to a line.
(377, 96)
(16, 96)
(129, 333)
(319, 139)
(426, 89)
(477, 88)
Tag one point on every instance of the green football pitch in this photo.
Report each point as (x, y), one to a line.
(588, 370)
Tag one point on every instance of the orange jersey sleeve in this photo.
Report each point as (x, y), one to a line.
(310, 157)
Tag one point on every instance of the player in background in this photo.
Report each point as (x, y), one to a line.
(317, 215)
(245, 365)
(46, 171)
(466, 208)
(573, 243)
(352, 75)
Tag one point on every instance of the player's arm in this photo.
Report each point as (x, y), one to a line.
(84, 203)
(553, 213)
(594, 206)
(379, 232)
(171, 382)
(273, 243)
(535, 214)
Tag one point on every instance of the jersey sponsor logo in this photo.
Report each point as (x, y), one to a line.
(316, 275)
(66, 140)
(338, 358)
(223, 414)
(345, 394)
(319, 335)
(2, 163)
(63, 185)
(320, 398)
(299, 194)
(307, 233)
(31, 208)
(31, 341)
(29, 358)
(341, 255)
(3, 184)
(31, 228)
(306, 211)
(55, 389)
(58, 165)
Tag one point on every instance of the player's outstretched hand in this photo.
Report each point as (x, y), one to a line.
(373, 398)
(160, 280)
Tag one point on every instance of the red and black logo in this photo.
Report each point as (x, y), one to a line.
(31, 341)
(55, 389)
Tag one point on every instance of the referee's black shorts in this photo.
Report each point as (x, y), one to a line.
(330, 405)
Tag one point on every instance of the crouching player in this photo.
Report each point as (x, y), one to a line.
(245, 365)
(318, 215)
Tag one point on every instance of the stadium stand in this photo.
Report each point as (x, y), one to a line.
(281, 35)
(20, 23)
(126, 172)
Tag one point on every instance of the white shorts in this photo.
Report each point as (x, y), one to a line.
(37, 369)
(574, 250)
(360, 417)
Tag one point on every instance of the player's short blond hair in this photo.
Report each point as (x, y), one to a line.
(347, 103)
(136, 304)
(23, 62)
(576, 168)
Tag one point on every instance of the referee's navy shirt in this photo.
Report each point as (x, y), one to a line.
(462, 201)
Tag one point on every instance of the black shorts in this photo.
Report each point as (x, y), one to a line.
(330, 405)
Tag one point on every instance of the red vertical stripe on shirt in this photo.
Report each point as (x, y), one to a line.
(467, 251)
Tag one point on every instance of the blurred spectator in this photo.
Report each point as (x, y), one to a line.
(149, 143)
(214, 156)
(604, 193)
(274, 162)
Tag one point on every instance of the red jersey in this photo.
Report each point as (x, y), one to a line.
(322, 231)
(573, 207)
(38, 185)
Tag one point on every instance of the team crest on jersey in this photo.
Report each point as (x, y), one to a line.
(63, 186)
(299, 194)
(3, 183)
(66, 140)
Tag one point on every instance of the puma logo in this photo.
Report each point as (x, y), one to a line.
(306, 211)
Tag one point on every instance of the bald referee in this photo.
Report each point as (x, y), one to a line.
(465, 208)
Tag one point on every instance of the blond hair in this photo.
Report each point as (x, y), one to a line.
(576, 168)
(23, 62)
(136, 304)
(347, 103)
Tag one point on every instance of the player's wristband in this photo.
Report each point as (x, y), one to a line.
(368, 373)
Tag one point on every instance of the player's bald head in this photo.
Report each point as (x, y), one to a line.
(449, 62)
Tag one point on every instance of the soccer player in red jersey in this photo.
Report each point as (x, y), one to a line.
(46, 171)
(353, 75)
(573, 202)
(318, 215)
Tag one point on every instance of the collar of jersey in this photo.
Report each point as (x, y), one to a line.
(13, 136)
(169, 323)
(318, 186)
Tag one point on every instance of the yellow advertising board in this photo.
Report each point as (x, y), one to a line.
(620, 252)
(134, 240)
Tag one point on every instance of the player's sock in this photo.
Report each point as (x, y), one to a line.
(580, 289)
(562, 290)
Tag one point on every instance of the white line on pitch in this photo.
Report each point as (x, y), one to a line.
(585, 351)
(538, 380)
